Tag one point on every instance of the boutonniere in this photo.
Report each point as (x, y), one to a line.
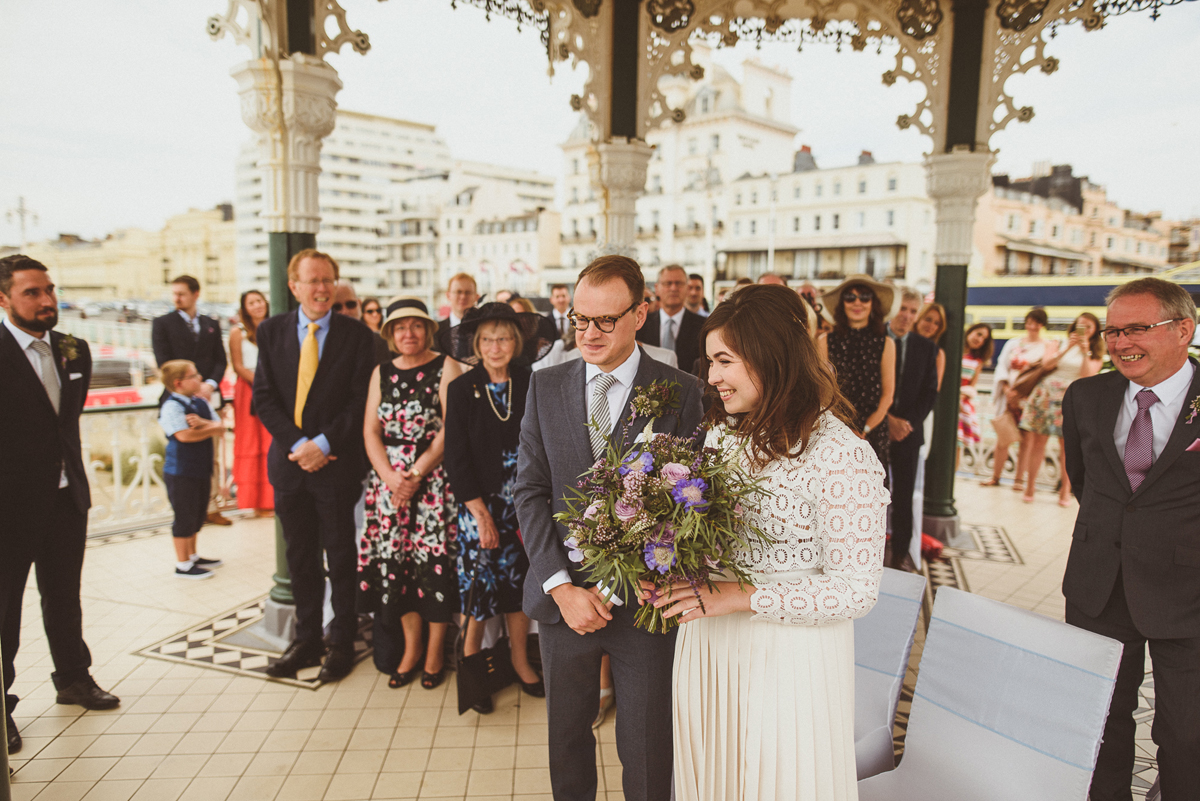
(1195, 407)
(68, 346)
(659, 399)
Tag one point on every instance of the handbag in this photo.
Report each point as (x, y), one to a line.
(1025, 382)
(481, 675)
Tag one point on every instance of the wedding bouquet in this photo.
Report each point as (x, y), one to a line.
(665, 510)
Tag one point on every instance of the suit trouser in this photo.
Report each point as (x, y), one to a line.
(905, 457)
(641, 666)
(319, 517)
(1176, 728)
(51, 540)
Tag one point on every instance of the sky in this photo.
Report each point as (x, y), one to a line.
(121, 113)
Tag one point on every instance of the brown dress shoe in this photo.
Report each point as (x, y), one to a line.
(218, 519)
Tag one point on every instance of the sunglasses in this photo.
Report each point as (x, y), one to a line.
(862, 296)
(373, 310)
(350, 304)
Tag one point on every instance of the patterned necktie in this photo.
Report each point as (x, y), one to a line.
(668, 337)
(562, 327)
(1139, 448)
(309, 356)
(42, 347)
(601, 420)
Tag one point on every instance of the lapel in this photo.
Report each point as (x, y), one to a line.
(1182, 435)
(645, 376)
(572, 391)
(1108, 408)
(25, 369)
(333, 343)
(290, 369)
(60, 364)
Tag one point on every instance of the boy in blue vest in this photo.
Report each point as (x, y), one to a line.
(190, 425)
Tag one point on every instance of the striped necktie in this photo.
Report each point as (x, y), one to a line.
(601, 419)
(310, 354)
(1139, 448)
(49, 379)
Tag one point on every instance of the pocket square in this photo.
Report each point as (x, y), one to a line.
(1194, 447)
(77, 376)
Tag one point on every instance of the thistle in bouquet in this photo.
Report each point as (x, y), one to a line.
(664, 510)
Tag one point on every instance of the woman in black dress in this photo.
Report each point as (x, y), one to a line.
(862, 355)
(484, 408)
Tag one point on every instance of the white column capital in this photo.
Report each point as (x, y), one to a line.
(956, 181)
(618, 169)
(291, 105)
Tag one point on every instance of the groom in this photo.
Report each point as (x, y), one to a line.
(576, 627)
(1133, 456)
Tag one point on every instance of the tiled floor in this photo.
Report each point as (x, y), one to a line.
(187, 732)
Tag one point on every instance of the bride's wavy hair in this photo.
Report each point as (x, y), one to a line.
(767, 327)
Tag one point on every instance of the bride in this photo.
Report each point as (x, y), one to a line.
(764, 676)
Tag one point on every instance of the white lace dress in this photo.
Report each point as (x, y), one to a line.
(764, 700)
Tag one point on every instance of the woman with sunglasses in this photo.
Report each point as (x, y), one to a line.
(862, 355)
(372, 314)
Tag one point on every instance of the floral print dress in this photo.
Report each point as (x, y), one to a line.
(856, 355)
(406, 558)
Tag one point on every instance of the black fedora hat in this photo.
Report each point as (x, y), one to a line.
(537, 331)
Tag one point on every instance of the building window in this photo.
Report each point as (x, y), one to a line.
(817, 223)
(716, 142)
(891, 184)
(656, 183)
(753, 198)
(819, 188)
(460, 248)
(1110, 243)
(447, 248)
(737, 200)
(1054, 232)
(737, 227)
(795, 223)
(837, 187)
(693, 146)
(1012, 222)
(862, 219)
(862, 187)
(1092, 241)
(837, 221)
(704, 105)
(1032, 227)
(575, 166)
(460, 223)
(796, 191)
(753, 227)
(654, 219)
(574, 227)
(574, 194)
(891, 218)
(691, 217)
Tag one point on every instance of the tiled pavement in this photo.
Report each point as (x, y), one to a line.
(189, 732)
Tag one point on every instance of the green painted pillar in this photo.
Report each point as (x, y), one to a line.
(281, 247)
(950, 290)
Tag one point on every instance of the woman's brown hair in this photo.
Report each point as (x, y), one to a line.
(1096, 348)
(985, 351)
(940, 310)
(248, 321)
(841, 322)
(766, 326)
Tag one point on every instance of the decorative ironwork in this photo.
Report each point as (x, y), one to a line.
(919, 18)
(670, 15)
(1114, 8)
(1017, 15)
(727, 33)
(532, 15)
(588, 8)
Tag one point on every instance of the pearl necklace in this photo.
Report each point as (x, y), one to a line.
(492, 403)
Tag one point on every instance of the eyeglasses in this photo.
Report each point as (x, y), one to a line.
(1133, 331)
(488, 342)
(862, 296)
(372, 311)
(350, 304)
(319, 282)
(605, 324)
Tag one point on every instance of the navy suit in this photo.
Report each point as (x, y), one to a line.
(916, 393)
(42, 525)
(172, 338)
(316, 510)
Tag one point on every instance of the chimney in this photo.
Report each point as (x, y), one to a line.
(804, 160)
(865, 158)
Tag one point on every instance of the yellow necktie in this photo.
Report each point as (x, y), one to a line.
(309, 356)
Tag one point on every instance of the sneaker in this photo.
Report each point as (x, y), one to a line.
(207, 564)
(193, 572)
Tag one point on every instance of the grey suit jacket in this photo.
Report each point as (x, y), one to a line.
(556, 450)
(1152, 536)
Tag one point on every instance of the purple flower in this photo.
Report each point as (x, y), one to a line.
(674, 472)
(575, 555)
(625, 511)
(593, 508)
(640, 461)
(690, 493)
(660, 555)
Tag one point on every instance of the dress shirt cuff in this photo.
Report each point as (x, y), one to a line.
(298, 444)
(212, 383)
(614, 599)
(322, 443)
(557, 580)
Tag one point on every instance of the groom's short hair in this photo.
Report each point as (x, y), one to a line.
(606, 268)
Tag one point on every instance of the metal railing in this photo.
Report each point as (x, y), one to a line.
(110, 333)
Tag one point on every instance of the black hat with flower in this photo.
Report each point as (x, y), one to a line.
(537, 332)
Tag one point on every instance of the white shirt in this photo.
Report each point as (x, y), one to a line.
(193, 321)
(1172, 394)
(675, 320)
(454, 319)
(617, 393)
(24, 342)
(561, 323)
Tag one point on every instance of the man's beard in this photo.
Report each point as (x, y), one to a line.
(33, 323)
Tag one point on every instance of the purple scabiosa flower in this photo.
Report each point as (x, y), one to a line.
(674, 472)
(690, 493)
(659, 555)
(639, 460)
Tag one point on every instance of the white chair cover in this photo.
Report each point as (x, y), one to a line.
(1008, 705)
(883, 640)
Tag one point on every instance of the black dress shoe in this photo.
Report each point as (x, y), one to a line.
(14, 736)
(88, 695)
(537, 689)
(484, 707)
(298, 656)
(337, 665)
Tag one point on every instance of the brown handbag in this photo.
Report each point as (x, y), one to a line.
(1025, 382)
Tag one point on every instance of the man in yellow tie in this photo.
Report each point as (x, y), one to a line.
(310, 389)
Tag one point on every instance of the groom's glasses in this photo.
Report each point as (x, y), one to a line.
(605, 324)
(1133, 331)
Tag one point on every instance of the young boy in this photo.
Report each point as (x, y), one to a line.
(190, 425)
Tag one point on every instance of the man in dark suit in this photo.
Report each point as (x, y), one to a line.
(44, 496)
(673, 326)
(1133, 457)
(463, 295)
(915, 393)
(310, 389)
(187, 334)
(576, 626)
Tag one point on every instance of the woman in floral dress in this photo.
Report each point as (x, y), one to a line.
(406, 558)
(977, 353)
(483, 432)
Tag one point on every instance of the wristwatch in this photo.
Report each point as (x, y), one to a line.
(416, 471)
(867, 430)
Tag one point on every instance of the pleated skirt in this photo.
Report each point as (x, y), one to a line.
(764, 711)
